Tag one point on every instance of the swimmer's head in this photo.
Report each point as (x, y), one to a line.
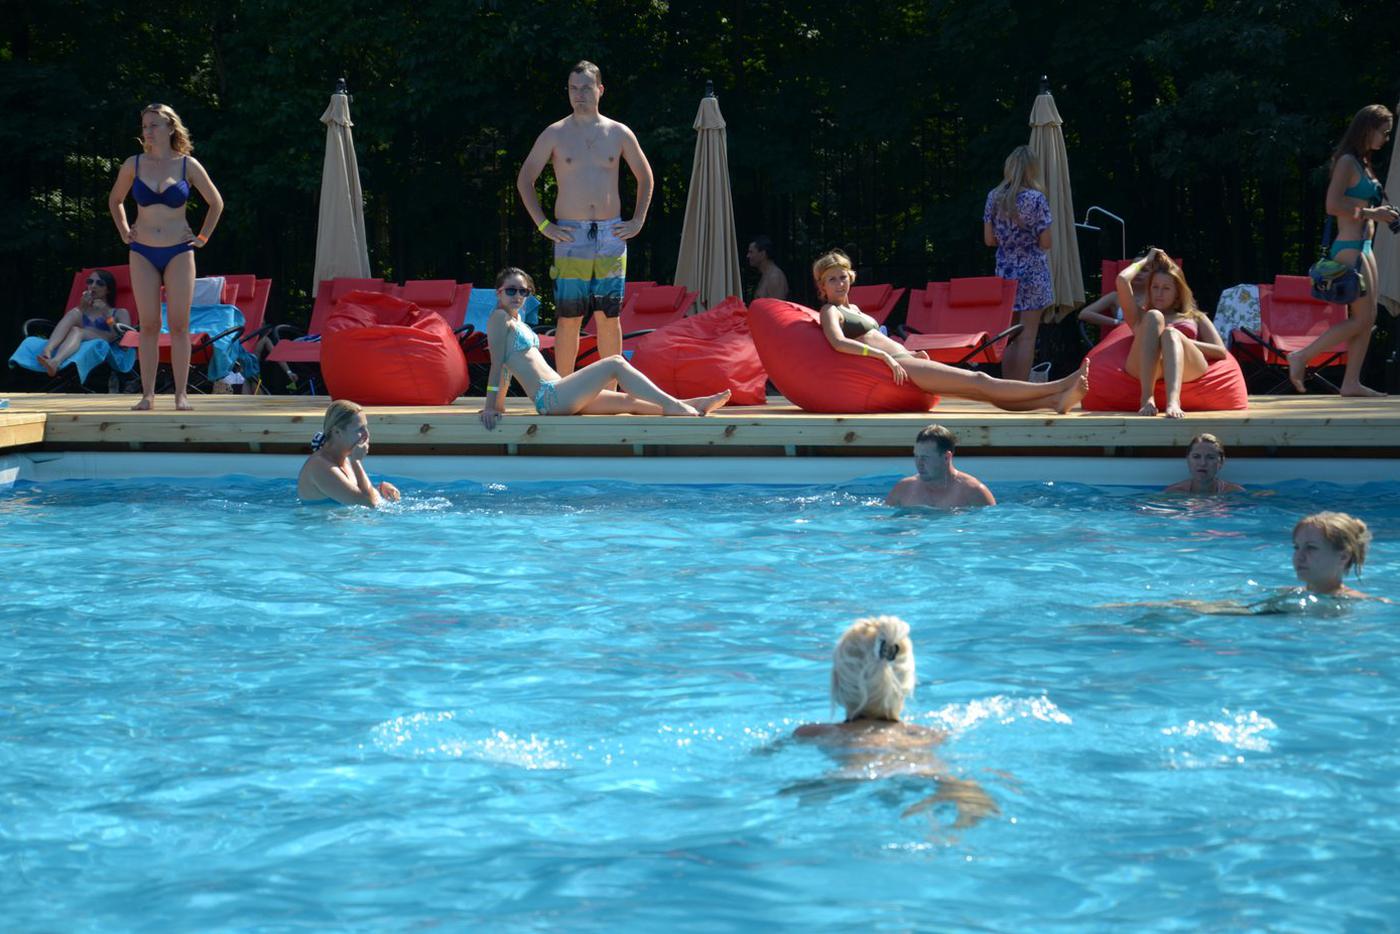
(933, 452)
(158, 119)
(344, 426)
(1328, 544)
(1205, 455)
(872, 671)
(828, 270)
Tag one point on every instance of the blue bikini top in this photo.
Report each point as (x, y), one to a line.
(173, 197)
(1366, 188)
(522, 337)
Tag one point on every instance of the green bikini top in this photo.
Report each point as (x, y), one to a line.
(855, 322)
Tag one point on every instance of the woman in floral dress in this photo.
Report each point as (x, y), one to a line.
(1016, 220)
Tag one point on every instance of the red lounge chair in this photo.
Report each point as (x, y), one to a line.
(962, 320)
(877, 301)
(445, 296)
(1289, 319)
(43, 327)
(290, 350)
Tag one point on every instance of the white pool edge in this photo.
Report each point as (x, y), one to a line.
(1098, 471)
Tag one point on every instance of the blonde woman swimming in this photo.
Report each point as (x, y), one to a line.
(336, 468)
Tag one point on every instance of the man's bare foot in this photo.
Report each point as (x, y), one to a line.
(1298, 370)
(1174, 410)
(1148, 408)
(1075, 391)
(182, 404)
(707, 404)
(47, 363)
(1360, 391)
(145, 405)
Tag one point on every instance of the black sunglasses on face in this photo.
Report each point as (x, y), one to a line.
(95, 281)
(512, 291)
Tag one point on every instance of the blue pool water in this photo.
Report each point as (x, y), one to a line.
(561, 707)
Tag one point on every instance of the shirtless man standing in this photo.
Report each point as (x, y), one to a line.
(771, 281)
(938, 483)
(590, 237)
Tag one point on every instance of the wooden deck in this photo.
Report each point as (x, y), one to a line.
(1273, 425)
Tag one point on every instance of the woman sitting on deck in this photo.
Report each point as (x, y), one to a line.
(94, 318)
(516, 350)
(1172, 339)
(336, 470)
(850, 330)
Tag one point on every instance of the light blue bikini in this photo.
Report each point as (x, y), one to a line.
(522, 340)
(1366, 189)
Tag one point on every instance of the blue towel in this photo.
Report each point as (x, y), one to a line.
(215, 319)
(483, 302)
(90, 355)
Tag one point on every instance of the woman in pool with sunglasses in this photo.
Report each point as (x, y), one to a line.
(515, 351)
(161, 241)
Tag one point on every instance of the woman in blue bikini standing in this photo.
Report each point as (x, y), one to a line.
(161, 241)
(515, 351)
(1354, 199)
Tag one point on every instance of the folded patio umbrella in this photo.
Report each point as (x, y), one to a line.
(341, 249)
(708, 262)
(1387, 246)
(1048, 144)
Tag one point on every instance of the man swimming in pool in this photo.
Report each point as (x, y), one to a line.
(590, 237)
(937, 482)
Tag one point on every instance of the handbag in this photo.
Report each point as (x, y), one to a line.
(1333, 282)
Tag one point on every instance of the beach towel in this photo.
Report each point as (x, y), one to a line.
(483, 302)
(90, 355)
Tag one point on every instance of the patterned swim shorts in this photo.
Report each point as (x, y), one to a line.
(591, 271)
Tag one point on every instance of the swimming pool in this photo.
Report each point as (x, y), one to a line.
(561, 705)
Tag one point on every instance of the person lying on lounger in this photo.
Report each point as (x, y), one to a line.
(94, 318)
(515, 352)
(872, 674)
(1106, 311)
(1205, 456)
(336, 468)
(937, 482)
(850, 330)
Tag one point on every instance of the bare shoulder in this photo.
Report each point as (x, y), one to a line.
(815, 730)
(1227, 487)
(1181, 486)
(976, 491)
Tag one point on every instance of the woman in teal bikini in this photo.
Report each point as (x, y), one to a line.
(1354, 199)
(161, 241)
(516, 349)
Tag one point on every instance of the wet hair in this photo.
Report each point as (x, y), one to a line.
(585, 67)
(1020, 171)
(764, 244)
(338, 414)
(509, 271)
(945, 439)
(1356, 140)
(109, 282)
(832, 259)
(1342, 532)
(1205, 437)
(1185, 298)
(179, 136)
(872, 669)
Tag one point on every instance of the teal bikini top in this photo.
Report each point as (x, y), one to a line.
(522, 338)
(1366, 188)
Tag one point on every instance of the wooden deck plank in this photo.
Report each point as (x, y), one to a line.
(252, 422)
(21, 428)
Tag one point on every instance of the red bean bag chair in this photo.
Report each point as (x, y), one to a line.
(705, 354)
(380, 350)
(1111, 389)
(816, 377)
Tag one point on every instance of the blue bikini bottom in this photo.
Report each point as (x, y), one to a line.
(160, 256)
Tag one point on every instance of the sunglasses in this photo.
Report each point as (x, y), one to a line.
(95, 281)
(512, 291)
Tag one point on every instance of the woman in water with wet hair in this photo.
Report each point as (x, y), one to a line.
(161, 241)
(872, 675)
(850, 330)
(1354, 198)
(336, 469)
(1173, 340)
(515, 352)
(1205, 456)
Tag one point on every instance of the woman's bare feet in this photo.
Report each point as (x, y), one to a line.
(1360, 391)
(1174, 410)
(182, 404)
(1148, 408)
(707, 404)
(679, 408)
(145, 405)
(47, 363)
(1075, 391)
(1298, 370)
